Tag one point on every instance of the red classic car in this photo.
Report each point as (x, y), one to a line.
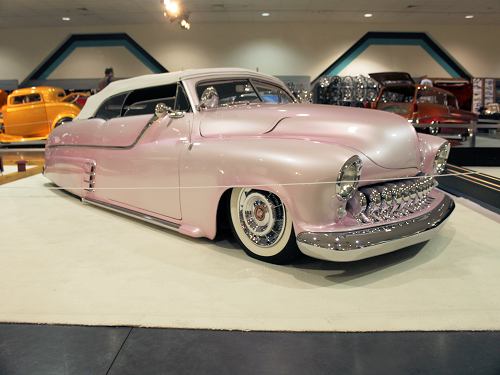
(421, 104)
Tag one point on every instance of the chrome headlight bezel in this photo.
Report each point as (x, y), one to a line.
(441, 158)
(348, 178)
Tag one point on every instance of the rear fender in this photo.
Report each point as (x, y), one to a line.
(61, 116)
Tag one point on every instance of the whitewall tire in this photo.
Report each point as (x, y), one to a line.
(262, 225)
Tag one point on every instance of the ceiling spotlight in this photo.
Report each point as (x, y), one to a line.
(469, 16)
(367, 15)
(265, 14)
(172, 7)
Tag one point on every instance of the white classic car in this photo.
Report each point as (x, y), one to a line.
(191, 150)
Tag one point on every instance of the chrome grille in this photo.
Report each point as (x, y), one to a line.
(389, 201)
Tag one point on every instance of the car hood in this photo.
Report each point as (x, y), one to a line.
(387, 139)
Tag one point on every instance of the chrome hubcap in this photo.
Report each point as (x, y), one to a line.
(262, 216)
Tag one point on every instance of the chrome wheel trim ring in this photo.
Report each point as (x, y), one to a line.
(261, 216)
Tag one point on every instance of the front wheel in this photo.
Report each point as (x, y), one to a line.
(262, 225)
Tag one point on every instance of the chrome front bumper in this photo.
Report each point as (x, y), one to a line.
(376, 240)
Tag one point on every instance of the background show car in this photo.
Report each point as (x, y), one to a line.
(32, 113)
(421, 104)
(194, 150)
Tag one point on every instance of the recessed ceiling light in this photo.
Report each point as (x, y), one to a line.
(368, 15)
(469, 16)
(66, 18)
(265, 14)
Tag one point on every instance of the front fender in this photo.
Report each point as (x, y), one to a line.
(302, 173)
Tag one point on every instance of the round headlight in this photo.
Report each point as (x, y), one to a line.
(348, 179)
(441, 157)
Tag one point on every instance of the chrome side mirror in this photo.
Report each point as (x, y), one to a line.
(209, 98)
(161, 110)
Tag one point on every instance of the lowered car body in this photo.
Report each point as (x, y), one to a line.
(186, 150)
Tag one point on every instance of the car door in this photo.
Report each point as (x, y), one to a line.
(26, 115)
(142, 171)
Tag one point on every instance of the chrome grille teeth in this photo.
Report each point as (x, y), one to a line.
(374, 203)
(390, 201)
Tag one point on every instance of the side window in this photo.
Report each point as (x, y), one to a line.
(147, 107)
(181, 100)
(231, 92)
(112, 107)
(271, 93)
(23, 99)
(452, 101)
(143, 101)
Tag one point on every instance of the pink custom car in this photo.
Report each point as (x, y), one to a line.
(189, 150)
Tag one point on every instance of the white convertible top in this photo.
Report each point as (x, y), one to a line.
(150, 80)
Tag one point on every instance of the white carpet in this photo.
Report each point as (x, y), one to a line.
(62, 261)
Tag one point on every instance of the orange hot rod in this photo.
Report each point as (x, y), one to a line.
(30, 114)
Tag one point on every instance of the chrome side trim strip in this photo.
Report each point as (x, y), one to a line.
(365, 239)
(126, 211)
(139, 137)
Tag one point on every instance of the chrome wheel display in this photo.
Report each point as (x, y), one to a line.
(262, 225)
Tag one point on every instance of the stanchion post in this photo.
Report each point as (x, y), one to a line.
(21, 165)
(472, 141)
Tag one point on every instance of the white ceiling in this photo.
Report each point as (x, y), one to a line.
(49, 13)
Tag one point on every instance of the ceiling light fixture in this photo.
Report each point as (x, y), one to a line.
(469, 16)
(367, 15)
(66, 18)
(175, 12)
(265, 14)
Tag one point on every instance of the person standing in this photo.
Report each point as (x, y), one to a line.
(107, 79)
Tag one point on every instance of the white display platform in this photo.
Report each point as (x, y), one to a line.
(8, 169)
(491, 171)
(65, 262)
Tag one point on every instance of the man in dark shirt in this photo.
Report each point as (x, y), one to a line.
(107, 79)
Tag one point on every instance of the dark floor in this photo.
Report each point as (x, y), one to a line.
(27, 349)
(45, 349)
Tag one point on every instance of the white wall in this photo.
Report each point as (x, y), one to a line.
(275, 48)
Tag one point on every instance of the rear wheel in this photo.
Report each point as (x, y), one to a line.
(262, 225)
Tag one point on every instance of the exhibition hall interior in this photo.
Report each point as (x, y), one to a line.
(249, 187)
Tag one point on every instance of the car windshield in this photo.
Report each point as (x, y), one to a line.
(430, 96)
(397, 99)
(245, 91)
